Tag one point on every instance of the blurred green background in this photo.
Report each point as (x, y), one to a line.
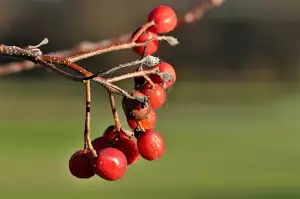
(230, 123)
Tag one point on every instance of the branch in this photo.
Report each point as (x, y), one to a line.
(190, 17)
(114, 111)
(87, 138)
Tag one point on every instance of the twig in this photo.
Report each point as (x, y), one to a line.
(114, 111)
(149, 61)
(87, 138)
(189, 17)
(122, 46)
(131, 75)
(149, 81)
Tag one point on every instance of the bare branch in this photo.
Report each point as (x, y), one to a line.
(189, 17)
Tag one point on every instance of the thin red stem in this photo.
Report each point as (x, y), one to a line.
(142, 30)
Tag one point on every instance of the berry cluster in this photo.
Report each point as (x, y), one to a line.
(117, 148)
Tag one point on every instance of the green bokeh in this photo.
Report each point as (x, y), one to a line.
(224, 140)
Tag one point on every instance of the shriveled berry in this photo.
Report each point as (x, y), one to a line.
(164, 17)
(80, 164)
(148, 123)
(134, 109)
(164, 67)
(101, 143)
(151, 145)
(129, 148)
(156, 95)
(152, 46)
(110, 164)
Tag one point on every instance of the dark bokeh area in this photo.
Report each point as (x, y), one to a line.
(230, 123)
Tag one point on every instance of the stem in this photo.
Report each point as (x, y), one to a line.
(149, 81)
(122, 46)
(188, 17)
(131, 75)
(149, 60)
(87, 139)
(114, 111)
(128, 133)
(140, 126)
(142, 30)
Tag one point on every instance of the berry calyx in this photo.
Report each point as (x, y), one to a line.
(152, 46)
(164, 67)
(134, 109)
(110, 164)
(151, 145)
(148, 123)
(156, 95)
(129, 148)
(80, 164)
(164, 17)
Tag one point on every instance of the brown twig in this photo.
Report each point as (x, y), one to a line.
(148, 79)
(189, 17)
(114, 111)
(87, 139)
(48, 61)
(132, 75)
(122, 46)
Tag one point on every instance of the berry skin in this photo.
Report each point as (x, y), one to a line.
(80, 164)
(164, 68)
(112, 134)
(129, 148)
(101, 143)
(156, 95)
(134, 109)
(151, 145)
(110, 164)
(151, 47)
(148, 123)
(164, 17)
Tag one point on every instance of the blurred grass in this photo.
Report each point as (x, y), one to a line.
(224, 140)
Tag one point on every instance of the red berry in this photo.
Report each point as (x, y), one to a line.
(164, 17)
(101, 143)
(134, 109)
(80, 164)
(129, 148)
(148, 123)
(112, 134)
(151, 145)
(156, 95)
(110, 164)
(151, 46)
(164, 68)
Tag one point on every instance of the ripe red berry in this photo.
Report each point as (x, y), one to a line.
(110, 164)
(134, 109)
(164, 17)
(101, 143)
(164, 68)
(151, 145)
(148, 123)
(129, 148)
(156, 95)
(112, 134)
(151, 46)
(80, 164)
